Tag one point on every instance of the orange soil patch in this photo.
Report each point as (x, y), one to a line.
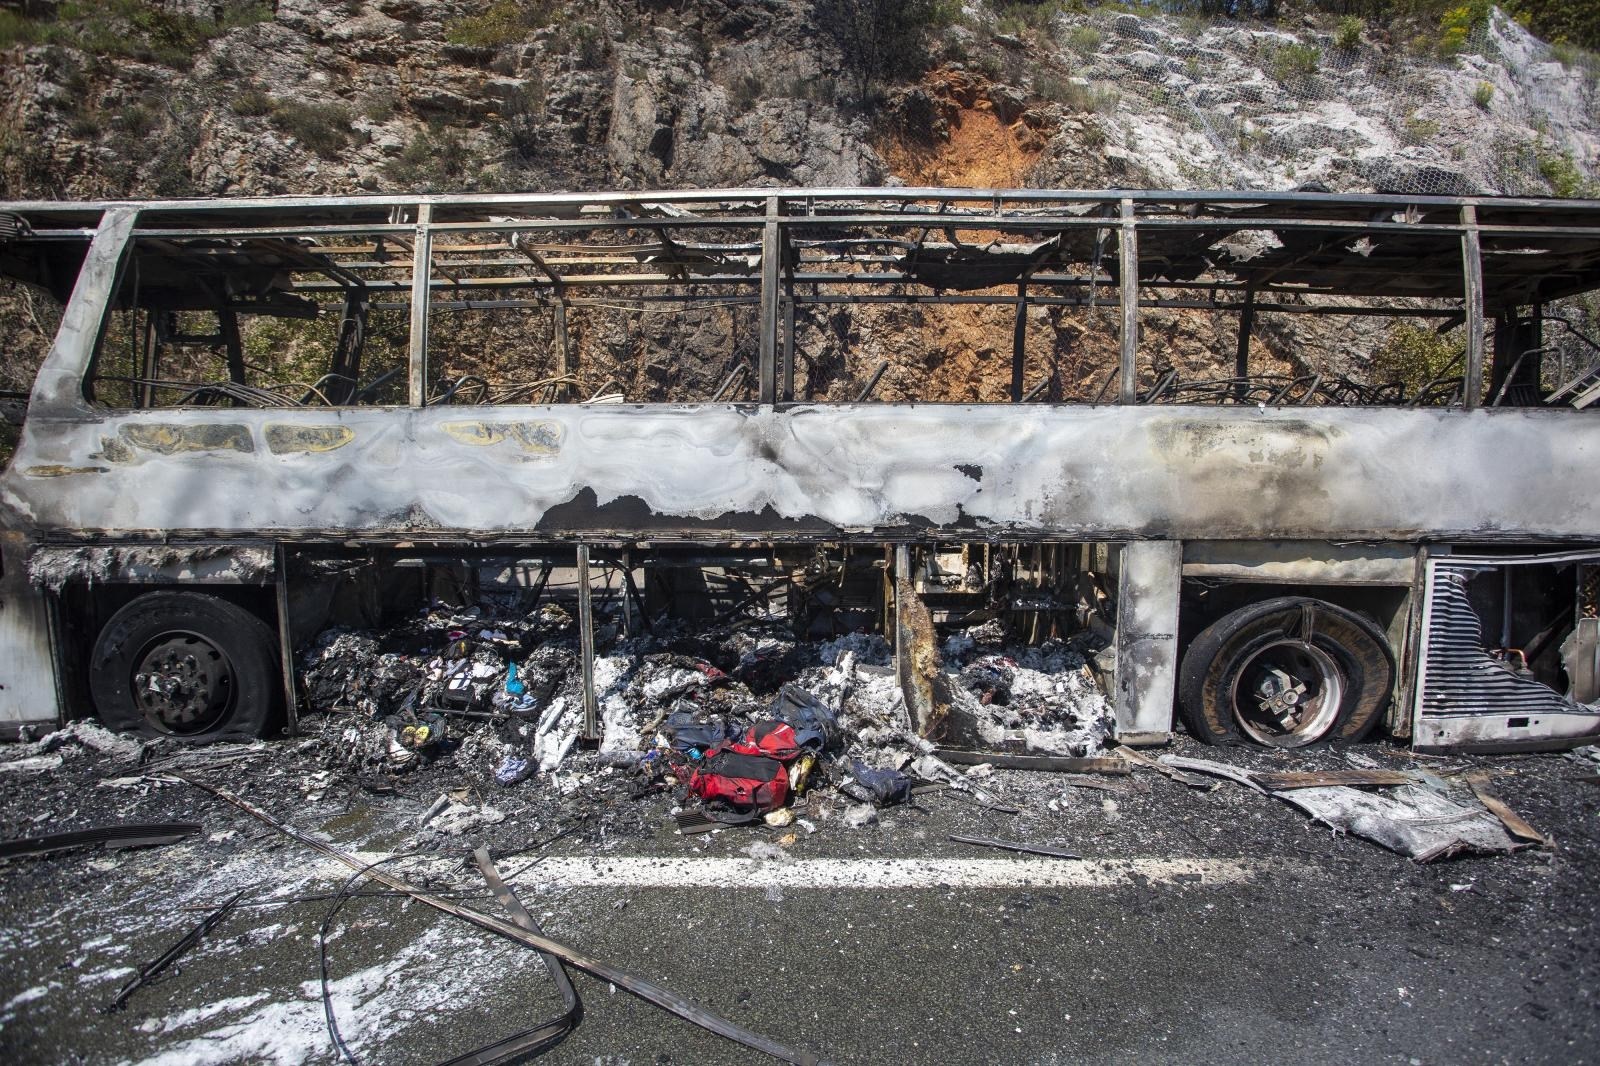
(982, 152)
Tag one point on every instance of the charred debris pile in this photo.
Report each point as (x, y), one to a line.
(735, 720)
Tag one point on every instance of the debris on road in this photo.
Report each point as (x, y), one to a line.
(150, 970)
(645, 989)
(1286, 780)
(125, 835)
(1514, 822)
(542, 1037)
(1009, 845)
(1208, 766)
(1047, 763)
(1191, 780)
(1414, 820)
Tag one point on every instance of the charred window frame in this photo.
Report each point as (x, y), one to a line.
(574, 299)
(208, 319)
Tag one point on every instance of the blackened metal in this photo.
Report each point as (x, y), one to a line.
(540, 1038)
(591, 712)
(1460, 678)
(1019, 341)
(1128, 282)
(1011, 845)
(633, 595)
(125, 835)
(291, 691)
(1052, 763)
(1472, 277)
(736, 374)
(872, 382)
(153, 968)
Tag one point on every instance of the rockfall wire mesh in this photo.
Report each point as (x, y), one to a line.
(1186, 104)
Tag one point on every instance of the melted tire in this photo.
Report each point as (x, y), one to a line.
(1214, 660)
(246, 644)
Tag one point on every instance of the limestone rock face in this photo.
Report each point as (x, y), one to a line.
(414, 95)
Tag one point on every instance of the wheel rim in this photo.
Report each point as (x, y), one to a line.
(182, 683)
(1287, 693)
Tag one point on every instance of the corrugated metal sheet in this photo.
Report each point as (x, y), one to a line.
(1460, 678)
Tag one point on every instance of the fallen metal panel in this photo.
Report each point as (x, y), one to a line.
(1414, 821)
(1300, 563)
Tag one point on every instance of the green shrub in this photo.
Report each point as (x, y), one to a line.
(133, 29)
(1458, 25)
(1084, 40)
(1419, 130)
(1483, 94)
(1294, 61)
(436, 159)
(502, 22)
(18, 29)
(1562, 174)
(1416, 356)
(1018, 18)
(321, 128)
(1574, 21)
(587, 41)
(879, 41)
(251, 103)
(1347, 38)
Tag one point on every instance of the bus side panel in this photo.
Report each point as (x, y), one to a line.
(28, 693)
(1147, 640)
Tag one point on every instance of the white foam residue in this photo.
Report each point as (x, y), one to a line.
(442, 967)
(29, 995)
(104, 975)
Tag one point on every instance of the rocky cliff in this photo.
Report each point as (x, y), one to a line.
(187, 97)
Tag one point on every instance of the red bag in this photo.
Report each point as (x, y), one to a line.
(745, 782)
(775, 740)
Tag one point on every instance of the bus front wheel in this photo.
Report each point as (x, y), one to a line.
(185, 665)
(1285, 673)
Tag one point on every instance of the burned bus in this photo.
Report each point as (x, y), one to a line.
(903, 409)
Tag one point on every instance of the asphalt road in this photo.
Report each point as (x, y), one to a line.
(1202, 927)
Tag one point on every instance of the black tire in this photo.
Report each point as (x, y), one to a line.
(1234, 685)
(188, 666)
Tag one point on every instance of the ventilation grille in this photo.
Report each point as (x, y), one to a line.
(1460, 679)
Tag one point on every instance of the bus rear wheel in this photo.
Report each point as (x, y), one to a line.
(185, 665)
(1285, 673)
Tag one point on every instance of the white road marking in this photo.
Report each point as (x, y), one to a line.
(874, 874)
